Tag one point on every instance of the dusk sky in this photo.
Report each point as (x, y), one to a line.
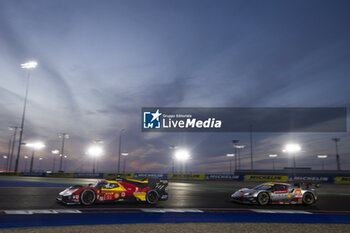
(100, 62)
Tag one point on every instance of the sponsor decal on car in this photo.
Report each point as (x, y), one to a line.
(298, 193)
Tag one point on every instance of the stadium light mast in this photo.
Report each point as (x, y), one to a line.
(99, 143)
(5, 157)
(13, 142)
(65, 162)
(120, 148)
(251, 147)
(182, 156)
(230, 156)
(336, 140)
(124, 154)
(25, 162)
(63, 136)
(94, 151)
(29, 66)
(273, 156)
(292, 149)
(40, 159)
(35, 146)
(239, 148)
(173, 147)
(54, 153)
(234, 145)
(322, 157)
(8, 154)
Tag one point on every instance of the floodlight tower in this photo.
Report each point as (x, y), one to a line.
(322, 157)
(273, 156)
(29, 66)
(292, 149)
(63, 136)
(230, 156)
(35, 146)
(336, 140)
(94, 151)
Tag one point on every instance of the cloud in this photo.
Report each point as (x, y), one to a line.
(141, 166)
(100, 63)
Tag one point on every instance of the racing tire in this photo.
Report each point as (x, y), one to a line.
(308, 198)
(87, 197)
(152, 197)
(263, 198)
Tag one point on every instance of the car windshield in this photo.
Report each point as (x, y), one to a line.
(97, 184)
(262, 187)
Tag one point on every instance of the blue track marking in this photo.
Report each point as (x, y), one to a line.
(6, 183)
(41, 220)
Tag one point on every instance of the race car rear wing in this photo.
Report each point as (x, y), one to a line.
(161, 185)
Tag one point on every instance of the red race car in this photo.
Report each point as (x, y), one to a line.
(148, 190)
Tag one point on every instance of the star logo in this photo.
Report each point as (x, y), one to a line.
(156, 115)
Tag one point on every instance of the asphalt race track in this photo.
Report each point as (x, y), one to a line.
(28, 193)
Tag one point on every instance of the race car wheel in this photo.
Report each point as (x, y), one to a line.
(263, 198)
(308, 199)
(152, 197)
(87, 197)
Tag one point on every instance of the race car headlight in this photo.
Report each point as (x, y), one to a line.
(247, 194)
(68, 192)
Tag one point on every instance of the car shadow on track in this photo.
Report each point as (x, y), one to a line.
(238, 205)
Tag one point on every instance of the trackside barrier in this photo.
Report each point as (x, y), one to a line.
(60, 174)
(266, 178)
(113, 175)
(223, 177)
(10, 174)
(39, 174)
(153, 175)
(342, 180)
(88, 175)
(322, 179)
(173, 176)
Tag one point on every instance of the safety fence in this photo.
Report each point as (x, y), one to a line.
(177, 176)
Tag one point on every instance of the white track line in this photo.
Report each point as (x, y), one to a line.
(151, 210)
(281, 211)
(62, 211)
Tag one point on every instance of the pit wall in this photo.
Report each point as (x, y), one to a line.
(208, 176)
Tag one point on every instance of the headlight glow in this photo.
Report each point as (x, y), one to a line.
(68, 192)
